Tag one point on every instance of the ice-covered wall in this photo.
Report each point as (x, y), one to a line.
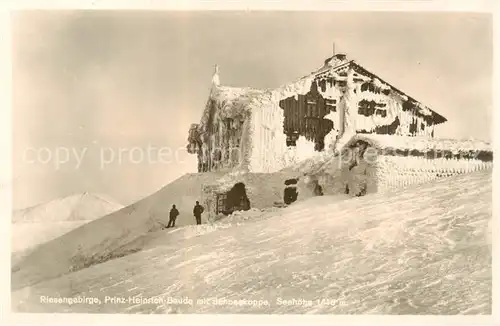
(348, 110)
(364, 104)
(393, 172)
(374, 107)
(348, 87)
(225, 131)
(269, 151)
(332, 92)
(390, 162)
(390, 173)
(267, 138)
(260, 196)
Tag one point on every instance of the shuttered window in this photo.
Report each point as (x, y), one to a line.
(331, 105)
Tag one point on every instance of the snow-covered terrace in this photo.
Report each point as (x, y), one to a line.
(423, 146)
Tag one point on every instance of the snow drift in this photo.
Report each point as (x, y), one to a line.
(422, 250)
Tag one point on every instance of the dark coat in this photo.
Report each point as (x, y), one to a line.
(174, 213)
(197, 210)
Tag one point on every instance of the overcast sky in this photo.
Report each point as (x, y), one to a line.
(93, 83)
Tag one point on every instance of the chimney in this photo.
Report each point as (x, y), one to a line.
(336, 58)
(341, 56)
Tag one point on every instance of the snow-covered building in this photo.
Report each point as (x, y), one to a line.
(381, 163)
(252, 130)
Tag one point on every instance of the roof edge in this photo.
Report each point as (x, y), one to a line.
(436, 116)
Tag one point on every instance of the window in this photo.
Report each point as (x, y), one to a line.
(291, 140)
(221, 203)
(366, 108)
(413, 127)
(382, 113)
(368, 87)
(311, 107)
(331, 105)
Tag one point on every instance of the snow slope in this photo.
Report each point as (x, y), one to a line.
(421, 250)
(95, 241)
(44, 222)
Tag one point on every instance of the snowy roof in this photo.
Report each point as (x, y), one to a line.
(424, 110)
(232, 102)
(303, 84)
(423, 144)
(238, 97)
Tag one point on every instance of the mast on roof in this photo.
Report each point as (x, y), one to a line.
(332, 61)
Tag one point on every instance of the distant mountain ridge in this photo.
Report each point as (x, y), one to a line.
(77, 207)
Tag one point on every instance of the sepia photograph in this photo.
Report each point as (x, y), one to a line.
(252, 162)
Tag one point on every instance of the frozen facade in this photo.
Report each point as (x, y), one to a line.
(381, 163)
(263, 131)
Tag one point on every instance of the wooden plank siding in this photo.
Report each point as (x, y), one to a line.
(304, 116)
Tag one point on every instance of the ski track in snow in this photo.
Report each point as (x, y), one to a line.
(432, 257)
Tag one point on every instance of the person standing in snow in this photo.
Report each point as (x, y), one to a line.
(197, 211)
(173, 215)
